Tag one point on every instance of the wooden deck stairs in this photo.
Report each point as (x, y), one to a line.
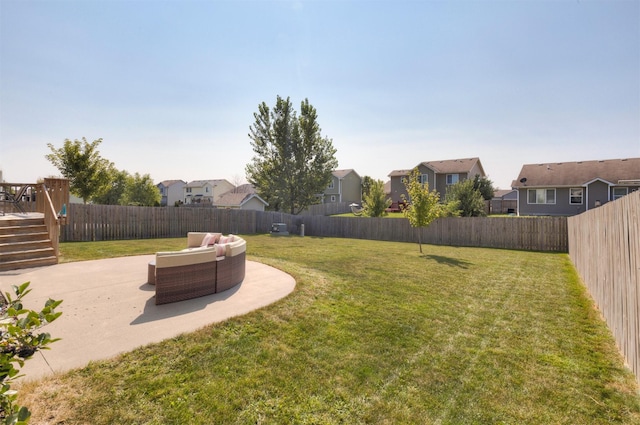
(25, 243)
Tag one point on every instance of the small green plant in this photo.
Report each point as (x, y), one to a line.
(424, 206)
(19, 341)
(376, 201)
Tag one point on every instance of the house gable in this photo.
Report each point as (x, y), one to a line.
(242, 200)
(346, 186)
(439, 175)
(171, 191)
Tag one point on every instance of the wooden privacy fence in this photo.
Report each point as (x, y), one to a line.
(537, 234)
(604, 245)
(327, 209)
(107, 222)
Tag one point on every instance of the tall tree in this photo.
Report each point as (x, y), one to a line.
(375, 201)
(484, 186)
(424, 205)
(81, 163)
(469, 200)
(292, 162)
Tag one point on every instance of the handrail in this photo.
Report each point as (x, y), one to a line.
(51, 221)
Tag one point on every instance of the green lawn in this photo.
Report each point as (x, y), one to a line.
(375, 333)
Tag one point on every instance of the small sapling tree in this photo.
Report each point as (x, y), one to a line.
(424, 205)
(375, 201)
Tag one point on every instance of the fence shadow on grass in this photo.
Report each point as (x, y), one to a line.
(449, 261)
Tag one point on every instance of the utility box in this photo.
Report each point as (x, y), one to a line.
(279, 229)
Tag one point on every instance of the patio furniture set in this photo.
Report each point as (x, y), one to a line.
(210, 264)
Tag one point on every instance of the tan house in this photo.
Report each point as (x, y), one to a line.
(345, 186)
(205, 191)
(570, 188)
(242, 201)
(438, 174)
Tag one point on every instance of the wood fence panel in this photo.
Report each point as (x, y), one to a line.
(604, 246)
(107, 222)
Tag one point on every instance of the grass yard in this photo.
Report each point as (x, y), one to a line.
(374, 333)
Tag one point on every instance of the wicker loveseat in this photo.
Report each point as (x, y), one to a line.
(211, 263)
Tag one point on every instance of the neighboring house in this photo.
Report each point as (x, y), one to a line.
(504, 202)
(569, 188)
(245, 188)
(438, 174)
(171, 191)
(241, 200)
(345, 186)
(205, 191)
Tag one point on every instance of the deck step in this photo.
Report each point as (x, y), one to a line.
(29, 263)
(24, 237)
(18, 230)
(23, 245)
(27, 254)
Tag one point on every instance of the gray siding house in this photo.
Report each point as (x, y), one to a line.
(171, 191)
(345, 186)
(438, 174)
(570, 188)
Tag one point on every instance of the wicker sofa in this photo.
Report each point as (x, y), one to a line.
(211, 263)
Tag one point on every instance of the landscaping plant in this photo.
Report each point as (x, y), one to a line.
(424, 206)
(18, 343)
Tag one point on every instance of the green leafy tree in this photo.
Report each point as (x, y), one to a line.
(484, 186)
(292, 162)
(367, 182)
(469, 200)
(81, 163)
(113, 192)
(19, 341)
(375, 202)
(424, 206)
(140, 190)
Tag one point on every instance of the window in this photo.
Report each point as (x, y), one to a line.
(206, 189)
(575, 196)
(424, 178)
(452, 178)
(333, 198)
(619, 192)
(188, 190)
(331, 185)
(541, 196)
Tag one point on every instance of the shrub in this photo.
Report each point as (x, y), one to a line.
(18, 343)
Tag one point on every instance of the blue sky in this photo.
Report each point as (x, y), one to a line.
(171, 86)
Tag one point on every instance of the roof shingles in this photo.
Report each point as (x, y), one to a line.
(578, 173)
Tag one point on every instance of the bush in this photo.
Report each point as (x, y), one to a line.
(18, 343)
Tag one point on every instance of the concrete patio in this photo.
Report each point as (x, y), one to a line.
(108, 308)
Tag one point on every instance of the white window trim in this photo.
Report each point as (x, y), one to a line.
(452, 182)
(545, 197)
(571, 196)
(424, 178)
(331, 185)
(626, 189)
(333, 198)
